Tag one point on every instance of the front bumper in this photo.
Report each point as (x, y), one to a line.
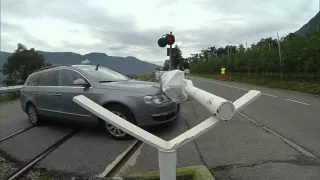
(166, 116)
(156, 115)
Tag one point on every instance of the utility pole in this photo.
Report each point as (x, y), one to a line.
(228, 54)
(170, 61)
(247, 57)
(167, 39)
(279, 55)
(246, 47)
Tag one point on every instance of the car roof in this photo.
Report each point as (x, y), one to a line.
(58, 66)
(82, 65)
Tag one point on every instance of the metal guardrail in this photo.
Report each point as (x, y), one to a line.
(177, 88)
(7, 89)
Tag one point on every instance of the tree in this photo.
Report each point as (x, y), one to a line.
(177, 58)
(20, 64)
(166, 65)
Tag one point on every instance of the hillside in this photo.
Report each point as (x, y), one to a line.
(126, 65)
(311, 26)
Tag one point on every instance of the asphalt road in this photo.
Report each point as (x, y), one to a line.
(244, 147)
(292, 116)
(12, 119)
(273, 138)
(296, 116)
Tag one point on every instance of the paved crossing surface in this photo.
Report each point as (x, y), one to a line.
(276, 137)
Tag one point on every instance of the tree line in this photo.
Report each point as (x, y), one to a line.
(20, 64)
(299, 58)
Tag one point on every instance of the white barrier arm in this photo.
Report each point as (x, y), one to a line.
(10, 89)
(120, 123)
(194, 132)
(223, 108)
(246, 99)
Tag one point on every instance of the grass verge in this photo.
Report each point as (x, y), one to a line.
(301, 86)
(185, 173)
(145, 77)
(7, 100)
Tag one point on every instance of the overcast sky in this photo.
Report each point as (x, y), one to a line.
(133, 27)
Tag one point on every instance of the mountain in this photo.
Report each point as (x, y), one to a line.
(125, 65)
(311, 26)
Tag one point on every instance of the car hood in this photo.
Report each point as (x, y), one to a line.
(148, 88)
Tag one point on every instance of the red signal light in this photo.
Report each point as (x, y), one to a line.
(170, 39)
(166, 40)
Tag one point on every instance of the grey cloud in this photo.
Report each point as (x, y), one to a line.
(74, 11)
(19, 35)
(243, 22)
(162, 3)
(80, 46)
(118, 47)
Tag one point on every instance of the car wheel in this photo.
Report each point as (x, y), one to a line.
(124, 113)
(33, 114)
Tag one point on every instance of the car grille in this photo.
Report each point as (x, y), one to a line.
(167, 116)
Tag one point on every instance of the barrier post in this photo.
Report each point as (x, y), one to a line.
(167, 164)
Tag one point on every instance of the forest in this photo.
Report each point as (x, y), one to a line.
(299, 58)
(291, 62)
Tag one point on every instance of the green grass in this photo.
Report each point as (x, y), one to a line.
(8, 101)
(9, 98)
(301, 86)
(145, 77)
(185, 173)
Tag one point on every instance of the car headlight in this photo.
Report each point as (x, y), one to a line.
(156, 99)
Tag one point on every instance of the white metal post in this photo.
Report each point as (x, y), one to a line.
(170, 62)
(168, 164)
(280, 59)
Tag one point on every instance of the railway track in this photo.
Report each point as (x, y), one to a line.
(111, 170)
(26, 167)
(15, 134)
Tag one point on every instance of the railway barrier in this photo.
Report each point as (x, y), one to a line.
(177, 88)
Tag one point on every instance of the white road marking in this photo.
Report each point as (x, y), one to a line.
(226, 85)
(131, 162)
(269, 95)
(287, 141)
(236, 87)
(297, 102)
(116, 161)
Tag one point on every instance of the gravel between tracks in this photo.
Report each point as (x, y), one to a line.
(6, 167)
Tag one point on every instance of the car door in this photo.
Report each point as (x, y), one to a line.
(72, 110)
(46, 97)
(29, 93)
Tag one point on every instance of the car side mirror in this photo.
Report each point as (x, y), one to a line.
(81, 82)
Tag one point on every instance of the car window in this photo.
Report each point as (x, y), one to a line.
(103, 74)
(67, 77)
(49, 78)
(33, 80)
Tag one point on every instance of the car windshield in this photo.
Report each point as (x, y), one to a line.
(104, 74)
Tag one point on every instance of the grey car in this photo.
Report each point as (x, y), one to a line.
(49, 92)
